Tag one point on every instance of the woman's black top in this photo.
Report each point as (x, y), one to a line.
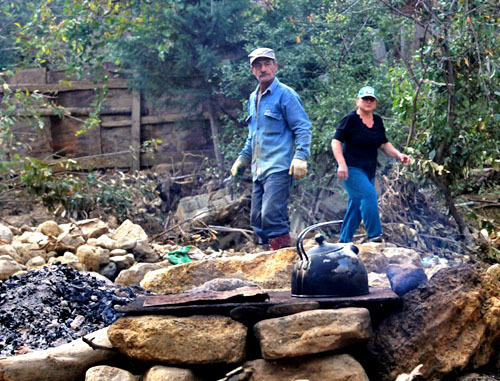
(361, 143)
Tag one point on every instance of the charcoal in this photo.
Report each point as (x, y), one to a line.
(56, 305)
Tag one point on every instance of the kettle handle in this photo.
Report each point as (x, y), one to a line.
(300, 244)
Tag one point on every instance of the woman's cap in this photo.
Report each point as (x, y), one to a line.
(367, 91)
(261, 52)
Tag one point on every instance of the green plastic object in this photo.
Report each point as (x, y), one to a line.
(179, 256)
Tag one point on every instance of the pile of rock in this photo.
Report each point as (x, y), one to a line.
(313, 344)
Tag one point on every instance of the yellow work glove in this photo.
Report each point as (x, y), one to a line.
(237, 168)
(298, 168)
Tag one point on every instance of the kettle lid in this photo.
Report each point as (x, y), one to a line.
(323, 247)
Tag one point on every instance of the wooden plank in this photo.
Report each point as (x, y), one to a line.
(82, 111)
(73, 86)
(155, 119)
(109, 160)
(136, 131)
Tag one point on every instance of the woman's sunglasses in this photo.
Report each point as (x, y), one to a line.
(370, 99)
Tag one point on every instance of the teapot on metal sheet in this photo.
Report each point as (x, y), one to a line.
(328, 270)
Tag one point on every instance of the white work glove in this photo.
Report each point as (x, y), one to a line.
(237, 168)
(298, 168)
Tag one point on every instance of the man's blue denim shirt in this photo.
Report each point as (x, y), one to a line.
(279, 125)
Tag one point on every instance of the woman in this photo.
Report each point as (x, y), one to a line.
(362, 133)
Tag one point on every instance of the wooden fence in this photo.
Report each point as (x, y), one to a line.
(127, 120)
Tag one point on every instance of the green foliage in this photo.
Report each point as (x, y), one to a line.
(438, 88)
(80, 193)
(455, 111)
(174, 45)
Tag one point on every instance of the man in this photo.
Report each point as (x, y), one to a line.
(278, 126)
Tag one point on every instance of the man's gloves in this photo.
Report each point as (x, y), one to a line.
(238, 167)
(298, 168)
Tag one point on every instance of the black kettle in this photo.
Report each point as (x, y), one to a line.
(328, 270)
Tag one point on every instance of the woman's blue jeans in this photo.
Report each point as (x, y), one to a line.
(362, 205)
(269, 215)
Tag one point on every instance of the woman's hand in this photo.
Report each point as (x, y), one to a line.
(342, 173)
(405, 159)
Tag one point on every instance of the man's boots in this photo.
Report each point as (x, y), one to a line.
(280, 242)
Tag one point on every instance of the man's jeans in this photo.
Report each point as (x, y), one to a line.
(269, 216)
(362, 205)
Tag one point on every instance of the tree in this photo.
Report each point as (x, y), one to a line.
(177, 47)
(447, 93)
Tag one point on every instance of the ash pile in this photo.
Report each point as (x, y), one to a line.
(56, 305)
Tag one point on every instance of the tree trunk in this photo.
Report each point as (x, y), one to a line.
(214, 128)
(450, 203)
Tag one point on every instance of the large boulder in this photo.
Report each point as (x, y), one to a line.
(312, 332)
(321, 367)
(451, 323)
(180, 340)
(269, 270)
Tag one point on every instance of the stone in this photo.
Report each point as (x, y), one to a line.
(35, 262)
(63, 363)
(449, 324)
(169, 373)
(6, 235)
(402, 256)
(329, 367)
(26, 251)
(69, 259)
(222, 284)
(378, 280)
(494, 270)
(372, 258)
(180, 340)
(89, 257)
(109, 270)
(11, 252)
(8, 267)
(135, 274)
(108, 373)
(35, 238)
(103, 241)
(404, 278)
(312, 332)
(269, 270)
(129, 231)
(476, 377)
(117, 252)
(143, 252)
(69, 240)
(123, 261)
(92, 228)
(49, 228)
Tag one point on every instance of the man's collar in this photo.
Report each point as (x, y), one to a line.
(271, 87)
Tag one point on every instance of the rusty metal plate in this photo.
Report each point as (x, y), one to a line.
(242, 294)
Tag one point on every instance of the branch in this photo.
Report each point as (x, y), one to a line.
(90, 342)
